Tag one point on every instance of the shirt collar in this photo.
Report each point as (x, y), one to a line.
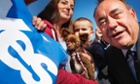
(133, 48)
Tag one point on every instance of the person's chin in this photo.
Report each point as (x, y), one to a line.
(66, 19)
(123, 44)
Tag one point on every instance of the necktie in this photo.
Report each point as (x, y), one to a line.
(131, 57)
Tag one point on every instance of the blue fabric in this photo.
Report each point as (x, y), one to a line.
(26, 56)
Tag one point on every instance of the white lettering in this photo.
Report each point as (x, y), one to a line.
(26, 58)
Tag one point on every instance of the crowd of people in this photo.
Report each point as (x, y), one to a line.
(117, 36)
(117, 33)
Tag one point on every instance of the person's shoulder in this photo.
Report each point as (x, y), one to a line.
(95, 47)
(111, 49)
(96, 43)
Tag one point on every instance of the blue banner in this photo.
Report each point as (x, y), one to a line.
(26, 56)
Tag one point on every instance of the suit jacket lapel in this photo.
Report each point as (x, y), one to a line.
(138, 54)
(138, 46)
(118, 66)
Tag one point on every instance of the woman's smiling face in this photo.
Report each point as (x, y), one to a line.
(65, 8)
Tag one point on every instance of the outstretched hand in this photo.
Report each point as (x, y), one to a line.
(39, 23)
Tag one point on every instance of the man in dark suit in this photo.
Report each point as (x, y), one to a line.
(120, 28)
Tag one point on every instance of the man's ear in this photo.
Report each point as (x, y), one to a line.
(92, 32)
(133, 13)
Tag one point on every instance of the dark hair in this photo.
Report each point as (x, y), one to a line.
(123, 1)
(51, 13)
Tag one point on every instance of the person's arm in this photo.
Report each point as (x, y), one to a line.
(65, 77)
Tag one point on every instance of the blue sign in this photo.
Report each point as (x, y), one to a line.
(26, 56)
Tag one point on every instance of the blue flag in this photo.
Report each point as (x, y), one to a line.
(26, 56)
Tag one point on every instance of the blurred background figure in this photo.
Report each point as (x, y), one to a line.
(99, 38)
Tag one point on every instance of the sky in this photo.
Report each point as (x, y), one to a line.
(83, 8)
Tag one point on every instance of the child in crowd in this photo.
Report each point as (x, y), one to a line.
(84, 26)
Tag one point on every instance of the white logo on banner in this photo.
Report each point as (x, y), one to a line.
(9, 38)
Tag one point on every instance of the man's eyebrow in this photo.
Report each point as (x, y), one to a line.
(101, 18)
(114, 10)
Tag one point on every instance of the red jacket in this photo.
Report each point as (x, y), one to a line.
(65, 77)
(50, 29)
